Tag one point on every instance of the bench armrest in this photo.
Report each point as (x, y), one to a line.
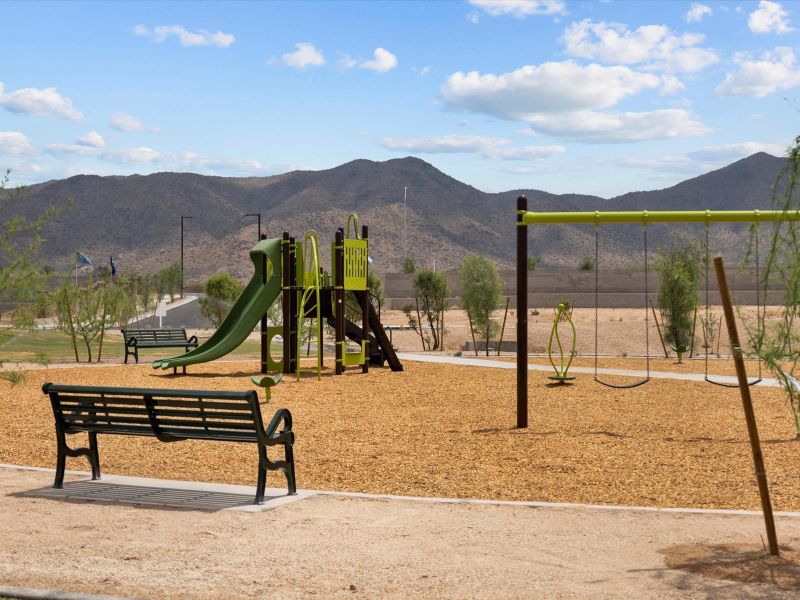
(282, 415)
(192, 340)
(131, 341)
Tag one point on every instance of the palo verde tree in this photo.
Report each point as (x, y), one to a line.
(678, 269)
(776, 339)
(21, 274)
(221, 291)
(481, 286)
(426, 317)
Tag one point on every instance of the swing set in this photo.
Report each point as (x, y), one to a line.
(555, 345)
(525, 218)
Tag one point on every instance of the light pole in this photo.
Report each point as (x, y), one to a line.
(182, 218)
(259, 222)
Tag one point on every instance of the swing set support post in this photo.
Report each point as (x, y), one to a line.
(747, 404)
(522, 313)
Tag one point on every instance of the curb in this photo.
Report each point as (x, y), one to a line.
(22, 593)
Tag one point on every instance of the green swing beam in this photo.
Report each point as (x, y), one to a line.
(656, 216)
(524, 217)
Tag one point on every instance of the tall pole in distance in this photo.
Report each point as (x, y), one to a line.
(182, 218)
(259, 222)
(522, 314)
(747, 404)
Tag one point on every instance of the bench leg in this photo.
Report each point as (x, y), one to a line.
(94, 456)
(262, 474)
(61, 459)
(291, 482)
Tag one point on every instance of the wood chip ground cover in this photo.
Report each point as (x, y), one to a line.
(440, 430)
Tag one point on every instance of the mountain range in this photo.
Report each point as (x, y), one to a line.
(136, 218)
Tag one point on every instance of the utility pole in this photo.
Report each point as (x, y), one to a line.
(182, 218)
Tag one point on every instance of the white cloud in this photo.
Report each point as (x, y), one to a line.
(777, 70)
(116, 155)
(727, 152)
(474, 17)
(444, 144)
(92, 139)
(655, 47)
(768, 17)
(306, 55)
(494, 148)
(697, 12)
(521, 8)
(186, 38)
(422, 71)
(346, 61)
(191, 160)
(382, 62)
(39, 103)
(619, 127)
(129, 123)
(141, 154)
(71, 150)
(14, 143)
(550, 87)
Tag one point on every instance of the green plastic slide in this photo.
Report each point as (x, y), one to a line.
(245, 313)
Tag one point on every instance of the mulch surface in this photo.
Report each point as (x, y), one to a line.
(440, 430)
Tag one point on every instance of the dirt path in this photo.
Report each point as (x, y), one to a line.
(346, 547)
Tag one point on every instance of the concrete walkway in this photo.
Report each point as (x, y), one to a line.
(337, 546)
(497, 364)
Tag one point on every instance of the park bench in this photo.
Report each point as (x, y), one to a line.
(156, 338)
(169, 416)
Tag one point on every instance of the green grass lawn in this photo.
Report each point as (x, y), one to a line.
(27, 346)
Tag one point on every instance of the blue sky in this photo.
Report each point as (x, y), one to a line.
(590, 97)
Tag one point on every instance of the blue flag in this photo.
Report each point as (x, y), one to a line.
(113, 267)
(82, 259)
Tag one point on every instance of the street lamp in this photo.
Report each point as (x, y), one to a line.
(182, 218)
(259, 221)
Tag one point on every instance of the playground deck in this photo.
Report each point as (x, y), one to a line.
(442, 430)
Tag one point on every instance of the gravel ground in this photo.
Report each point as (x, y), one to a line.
(441, 430)
(338, 547)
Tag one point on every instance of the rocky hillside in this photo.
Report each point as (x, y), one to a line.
(137, 218)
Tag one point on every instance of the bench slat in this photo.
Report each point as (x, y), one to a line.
(89, 401)
(68, 411)
(86, 420)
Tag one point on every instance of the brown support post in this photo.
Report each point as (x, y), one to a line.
(338, 298)
(658, 328)
(747, 404)
(522, 313)
(264, 323)
(365, 308)
(294, 352)
(286, 275)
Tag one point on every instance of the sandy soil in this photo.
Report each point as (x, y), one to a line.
(436, 430)
(334, 547)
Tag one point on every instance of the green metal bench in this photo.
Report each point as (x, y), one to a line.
(169, 416)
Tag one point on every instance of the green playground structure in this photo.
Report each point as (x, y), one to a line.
(310, 297)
